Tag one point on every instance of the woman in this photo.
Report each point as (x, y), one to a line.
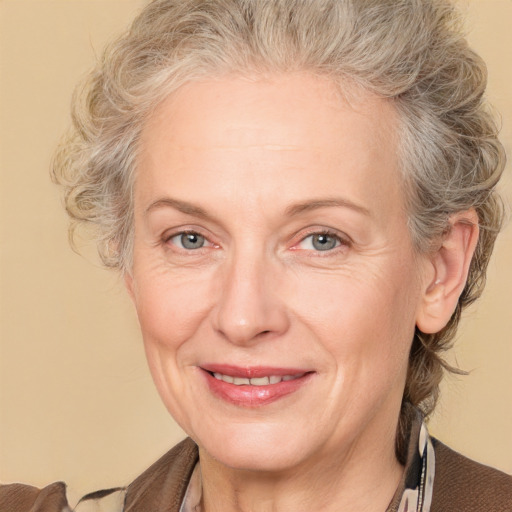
(300, 197)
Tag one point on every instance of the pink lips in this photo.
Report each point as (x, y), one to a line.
(248, 395)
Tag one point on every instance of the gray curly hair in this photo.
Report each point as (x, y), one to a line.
(411, 51)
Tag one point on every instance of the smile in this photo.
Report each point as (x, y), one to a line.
(256, 381)
(255, 386)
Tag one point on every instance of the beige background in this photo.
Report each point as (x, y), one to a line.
(77, 402)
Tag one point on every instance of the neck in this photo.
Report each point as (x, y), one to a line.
(360, 478)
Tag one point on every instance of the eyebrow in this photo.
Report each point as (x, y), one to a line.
(293, 210)
(182, 206)
(333, 202)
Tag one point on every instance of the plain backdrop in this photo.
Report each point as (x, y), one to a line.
(77, 402)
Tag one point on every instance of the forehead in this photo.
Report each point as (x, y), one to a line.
(251, 109)
(294, 135)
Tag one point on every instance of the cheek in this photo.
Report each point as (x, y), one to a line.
(366, 321)
(170, 308)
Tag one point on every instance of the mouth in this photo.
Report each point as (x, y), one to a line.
(253, 386)
(256, 381)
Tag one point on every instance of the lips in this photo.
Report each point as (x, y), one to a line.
(253, 386)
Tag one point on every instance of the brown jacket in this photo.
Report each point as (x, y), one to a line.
(460, 485)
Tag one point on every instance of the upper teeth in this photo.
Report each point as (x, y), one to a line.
(255, 381)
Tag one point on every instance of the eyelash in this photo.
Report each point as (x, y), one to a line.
(342, 242)
(167, 239)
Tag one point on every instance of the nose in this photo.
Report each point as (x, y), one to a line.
(250, 308)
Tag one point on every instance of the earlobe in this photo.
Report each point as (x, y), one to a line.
(449, 271)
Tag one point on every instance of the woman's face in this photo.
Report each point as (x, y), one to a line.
(271, 244)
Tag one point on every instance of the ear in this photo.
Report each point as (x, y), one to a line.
(449, 267)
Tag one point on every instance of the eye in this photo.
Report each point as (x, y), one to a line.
(189, 241)
(320, 242)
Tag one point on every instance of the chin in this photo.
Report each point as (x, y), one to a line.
(259, 448)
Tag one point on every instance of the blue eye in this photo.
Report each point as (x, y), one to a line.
(189, 241)
(320, 242)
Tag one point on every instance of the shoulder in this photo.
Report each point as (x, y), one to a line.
(52, 498)
(163, 485)
(160, 488)
(463, 484)
(25, 498)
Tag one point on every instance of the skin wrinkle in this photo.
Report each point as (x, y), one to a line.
(348, 316)
(268, 147)
(292, 210)
(393, 57)
(280, 275)
(294, 260)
